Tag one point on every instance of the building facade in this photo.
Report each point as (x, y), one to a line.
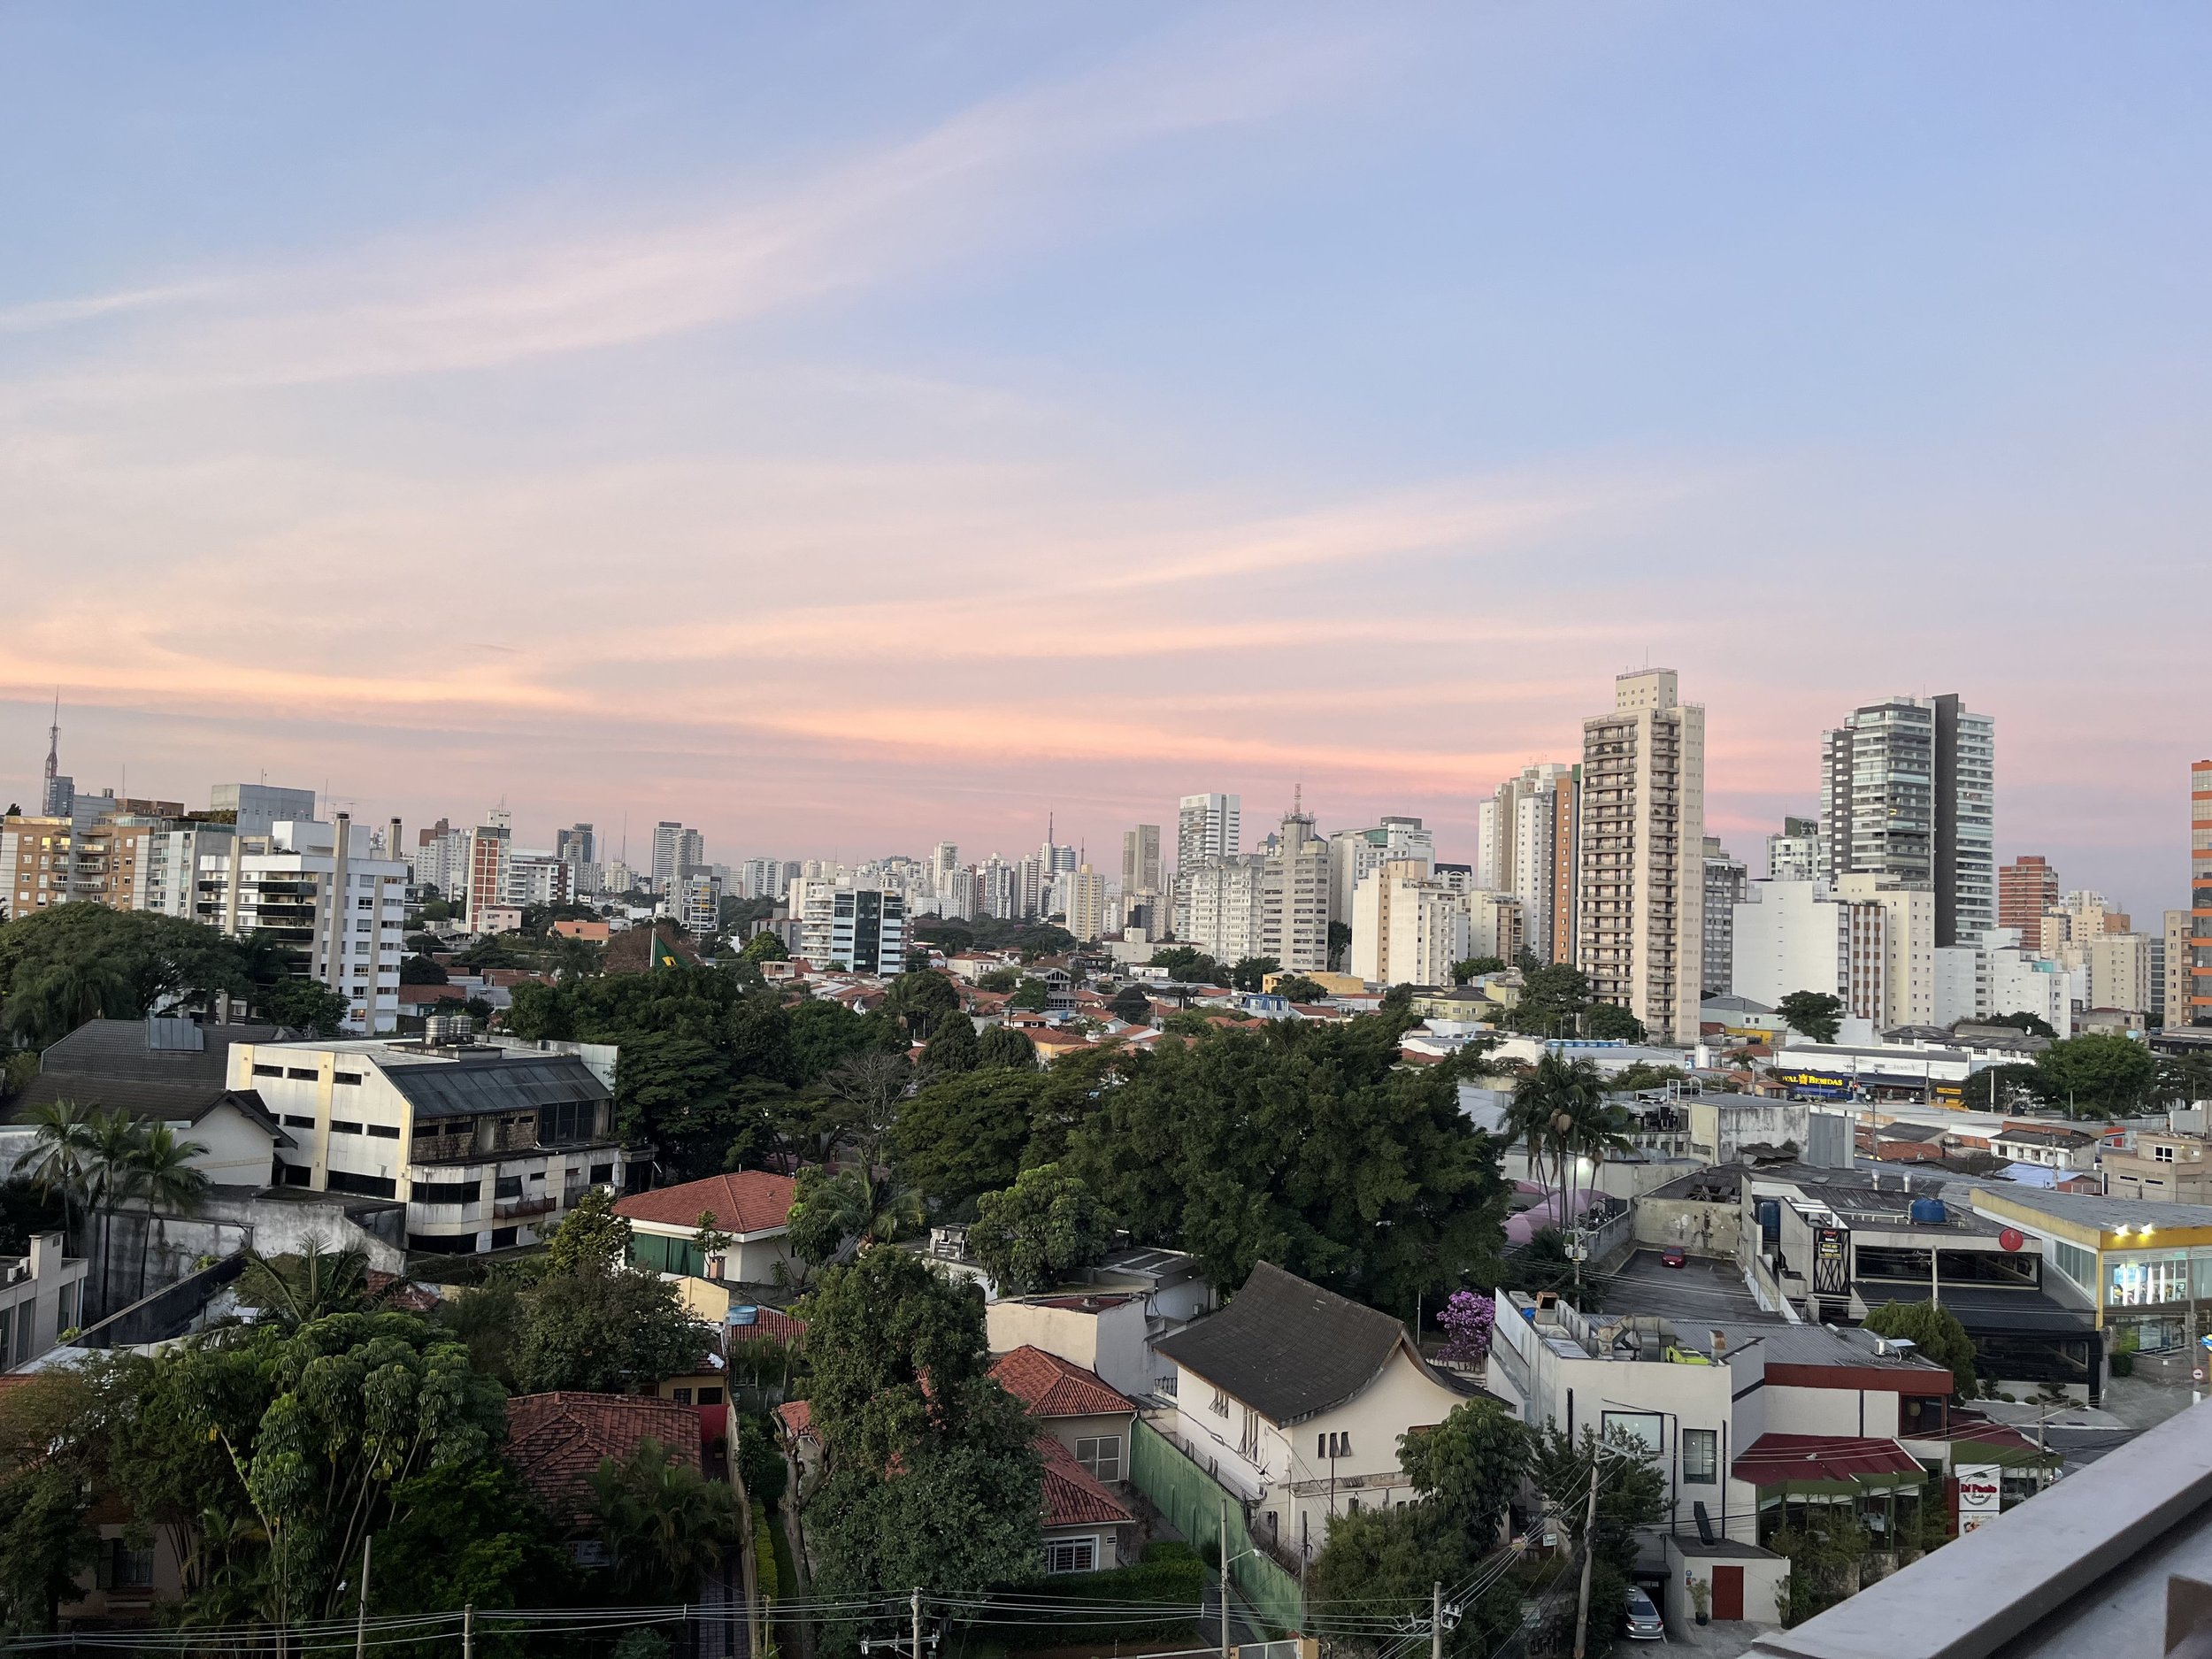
(860, 929)
(1208, 826)
(1640, 876)
(1725, 881)
(1907, 791)
(2199, 1003)
(2026, 888)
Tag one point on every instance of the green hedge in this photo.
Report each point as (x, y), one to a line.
(1170, 1577)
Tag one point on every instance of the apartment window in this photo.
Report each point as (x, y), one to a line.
(1101, 1456)
(385, 1131)
(448, 1192)
(1220, 1407)
(337, 1127)
(507, 1187)
(1647, 1428)
(2165, 1155)
(295, 1120)
(601, 1174)
(1337, 1444)
(1249, 1439)
(1071, 1555)
(709, 1396)
(346, 1079)
(299, 1074)
(504, 1237)
(1701, 1457)
(367, 1186)
(123, 1568)
(269, 1071)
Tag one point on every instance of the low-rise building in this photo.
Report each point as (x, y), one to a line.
(42, 1294)
(751, 1208)
(2050, 1145)
(2143, 1267)
(2158, 1166)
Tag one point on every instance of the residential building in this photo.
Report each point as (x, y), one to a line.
(1140, 871)
(2026, 888)
(2046, 1146)
(1222, 907)
(260, 807)
(1865, 939)
(2158, 1166)
(1527, 846)
(537, 877)
(481, 879)
(42, 1294)
(1085, 891)
(1995, 976)
(2200, 998)
(1084, 1433)
(440, 859)
(751, 1207)
(1408, 927)
(487, 1147)
(556, 1442)
(576, 845)
(2078, 918)
(1641, 879)
(1294, 1399)
(1907, 791)
(2118, 968)
(1793, 854)
(1208, 826)
(674, 847)
(2176, 958)
(1295, 897)
(1726, 878)
(698, 907)
(313, 888)
(1354, 855)
(860, 930)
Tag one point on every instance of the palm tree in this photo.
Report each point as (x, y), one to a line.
(1553, 1108)
(171, 1184)
(664, 1524)
(65, 995)
(111, 1162)
(60, 1146)
(297, 1290)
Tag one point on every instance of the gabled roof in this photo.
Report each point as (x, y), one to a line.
(1071, 1495)
(171, 1051)
(797, 1417)
(745, 1202)
(1781, 1459)
(555, 1440)
(1287, 1348)
(1051, 1386)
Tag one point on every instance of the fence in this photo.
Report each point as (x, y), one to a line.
(1190, 1499)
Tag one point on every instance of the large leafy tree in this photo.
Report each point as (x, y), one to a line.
(922, 999)
(1250, 971)
(1551, 1000)
(1306, 1144)
(2096, 1076)
(932, 1478)
(1043, 1228)
(1815, 1014)
(606, 1331)
(62, 966)
(963, 1135)
(1935, 1332)
(1631, 1496)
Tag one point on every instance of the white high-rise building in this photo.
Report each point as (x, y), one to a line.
(1996, 976)
(1295, 929)
(1793, 854)
(855, 929)
(1641, 873)
(675, 850)
(1222, 907)
(1408, 927)
(1208, 826)
(1864, 940)
(1527, 843)
(1907, 791)
(1083, 895)
(1354, 855)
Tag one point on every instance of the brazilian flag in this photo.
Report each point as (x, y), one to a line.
(658, 955)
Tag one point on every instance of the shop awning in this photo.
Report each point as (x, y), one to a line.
(1774, 1460)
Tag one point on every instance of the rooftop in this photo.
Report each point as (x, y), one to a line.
(1071, 1495)
(555, 1440)
(2105, 1214)
(1287, 1349)
(1051, 1387)
(743, 1201)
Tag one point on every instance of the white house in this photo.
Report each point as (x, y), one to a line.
(751, 1207)
(1294, 1398)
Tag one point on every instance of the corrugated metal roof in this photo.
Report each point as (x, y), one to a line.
(462, 1088)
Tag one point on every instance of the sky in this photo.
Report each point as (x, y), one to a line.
(842, 428)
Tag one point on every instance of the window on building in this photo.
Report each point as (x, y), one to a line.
(385, 1131)
(1249, 1439)
(2163, 1155)
(1336, 1444)
(340, 1127)
(1220, 1406)
(682, 1396)
(302, 1074)
(709, 1396)
(505, 1237)
(1101, 1454)
(1701, 1457)
(1071, 1555)
(299, 1121)
(367, 1186)
(343, 1079)
(1647, 1428)
(601, 1174)
(2075, 1263)
(507, 1187)
(268, 1070)
(448, 1192)
(123, 1568)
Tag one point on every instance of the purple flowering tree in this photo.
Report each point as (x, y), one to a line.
(1466, 1319)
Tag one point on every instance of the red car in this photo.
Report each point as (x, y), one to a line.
(1673, 1255)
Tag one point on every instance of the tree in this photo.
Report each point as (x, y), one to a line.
(832, 1209)
(167, 1181)
(931, 1479)
(467, 1534)
(1610, 1022)
(1468, 969)
(1467, 1319)
(1002, 1046)
(592, 1236)
(999, 980)
(1556, 1109)
(1469, 1466)
(952, 1047)
(963, 1135)
(1935, 1332)
(1038, 1232)
(308, 1006)
(45, 1542)
(760, 1464)
(765, 947)
(1131, 1004)
(1305, 1144)
(2096, 1076)
(1551, 1000)
(923, 999)
(1296, 988)
(1251, 972)
(1815, 1016)
(1631, 1496)
(1340, 944)
(1031, 996)
(293, 1291)
(711, 1242)
(420, 970)
(606, 1332)
(1189, 964)
(2034, 1024)
(60, 1156)
(665, 1525)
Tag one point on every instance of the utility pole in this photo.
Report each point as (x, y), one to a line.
(1436, 1621)
(361, 1618)
(917, 1604)
(468, 1633)
(1224, 1553)
(1589, 1553)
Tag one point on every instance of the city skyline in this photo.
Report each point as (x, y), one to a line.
(1150, 404)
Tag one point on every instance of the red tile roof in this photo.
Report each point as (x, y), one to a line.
(1051, 1386)
(555, 1440)
(747, 1200)
(1071, 1495)
(772, 1323)
(1773, 1459)
(797, 1417)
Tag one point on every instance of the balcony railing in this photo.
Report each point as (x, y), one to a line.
(508, 1209)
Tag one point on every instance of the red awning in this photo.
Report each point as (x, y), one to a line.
(1773, 1459)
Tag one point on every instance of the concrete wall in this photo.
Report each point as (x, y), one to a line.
(1704, 1226)
(1110, 1342)
(1763, 1576)
(1720, 1127)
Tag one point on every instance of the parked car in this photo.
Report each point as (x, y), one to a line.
(1673, 1255)
(1644, 1622)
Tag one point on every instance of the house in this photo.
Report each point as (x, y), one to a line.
(2161, 1167)
(42, 1294)
(2050, 1145)
(172, 1072)
(802, 1446)
(752, 1207)
(488, 1146)
(1085, 1429)
(1108, 1324)
(556, 1441)
(1292, 1398)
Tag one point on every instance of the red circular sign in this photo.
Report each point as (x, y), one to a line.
(2012, 1237)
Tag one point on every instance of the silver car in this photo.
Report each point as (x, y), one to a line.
(1644, 1622)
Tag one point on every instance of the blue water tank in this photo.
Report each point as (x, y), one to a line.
(741, 1315)
(1929, 1212)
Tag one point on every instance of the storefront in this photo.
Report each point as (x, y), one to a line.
(2146, 1268)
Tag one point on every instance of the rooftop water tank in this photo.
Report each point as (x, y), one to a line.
(1930, 1212)
(741, 1315)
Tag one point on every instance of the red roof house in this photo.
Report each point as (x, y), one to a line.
(555, 1440)
(751, 1206)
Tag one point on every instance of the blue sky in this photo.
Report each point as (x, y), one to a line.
(845, 427)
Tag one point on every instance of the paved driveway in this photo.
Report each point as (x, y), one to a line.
(1703, 1291)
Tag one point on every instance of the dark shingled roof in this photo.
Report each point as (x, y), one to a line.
(126, 1048)
(464, 1088)
(1287, 1349)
